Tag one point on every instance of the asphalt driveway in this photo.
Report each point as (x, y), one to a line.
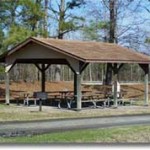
(11, 129)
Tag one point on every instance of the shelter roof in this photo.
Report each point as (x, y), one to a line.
(85, 51)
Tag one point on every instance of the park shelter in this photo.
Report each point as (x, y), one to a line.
(77, 55)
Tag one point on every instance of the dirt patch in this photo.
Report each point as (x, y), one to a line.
(17, 88)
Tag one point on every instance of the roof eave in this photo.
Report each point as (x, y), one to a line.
(117, 61)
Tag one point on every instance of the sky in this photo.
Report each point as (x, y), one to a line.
(138, 22)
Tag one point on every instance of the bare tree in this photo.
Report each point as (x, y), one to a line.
(67, 22)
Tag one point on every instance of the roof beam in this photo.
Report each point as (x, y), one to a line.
(116, 67)
(145, 67)
(40, 61)
(82, 66)
(43, 67)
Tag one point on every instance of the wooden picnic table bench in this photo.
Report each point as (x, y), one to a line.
(94, 98)
(24, 97)
(67, 96)
(62, 96)
(95, 101)
(54, 95)
(29, 96)
(87, 97)
(130, 100)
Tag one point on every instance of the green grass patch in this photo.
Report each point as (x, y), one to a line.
(3, 106)
(130, 134)
(13, 112)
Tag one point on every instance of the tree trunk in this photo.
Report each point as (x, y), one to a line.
(60, 36)
(46, 19)
(108, 78)
(112, 36)
(61, 19)
(112, 30)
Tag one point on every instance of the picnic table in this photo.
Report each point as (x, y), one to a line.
(96, 98)
(29, 96)
(67, 96)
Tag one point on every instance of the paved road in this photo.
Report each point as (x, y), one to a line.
(38, 127)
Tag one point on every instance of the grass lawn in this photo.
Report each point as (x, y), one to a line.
(23, 113)
(130, 134)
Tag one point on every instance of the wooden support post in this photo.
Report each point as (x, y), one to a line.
(75, 86)
(116, 69)
(7, 90)
(115, 79)
(77, 90)
(43, 78)
(42, 69)
(77, 67)
(115, 90)
(145, 68)
(79, 96)
(7, 93)
(146, 90)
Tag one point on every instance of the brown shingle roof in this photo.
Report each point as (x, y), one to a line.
(96, 51)
(89, 51)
